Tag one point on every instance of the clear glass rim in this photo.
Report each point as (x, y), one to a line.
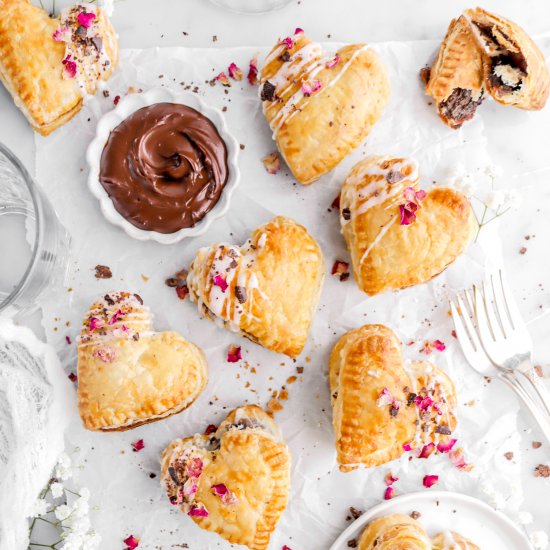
(37, 204)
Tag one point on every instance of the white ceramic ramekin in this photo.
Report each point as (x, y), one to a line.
(130, 104)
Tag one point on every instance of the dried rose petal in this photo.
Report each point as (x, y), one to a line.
(198, 511)
(336, 203)
(190, 486)
(234, 72)
(85, 19)
(61, 35)
(219, 280)
(420, 195)
(288, 42)
(73, 377)
(438, 345)
(311, 86)
(182, 291)
(457, 458)
(131, 542)
(272, 163)
(423, 403)
(116, 100)
(194, 467)
(410, 194)
(234, 354)
(407, 447)
(68, 340)
(138, 445)
(389, 493)
(385, 398)
(252, 75)
(298, 30)
(224, 493)
(430, 481)
(119, 313)
(210, 429)
(105, 353)
(339, 268)
(222, 77)
(332, 62)
(390, 479)
(445, 447)
(69, 67)
(407, 212)
(427, 450)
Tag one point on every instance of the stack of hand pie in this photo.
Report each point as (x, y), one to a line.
(483, 52)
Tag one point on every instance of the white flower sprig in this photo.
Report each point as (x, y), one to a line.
(66, 511)
(495, 203)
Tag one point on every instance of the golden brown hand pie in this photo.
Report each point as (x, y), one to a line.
(321, 108)
(49, 65)
(515, 70)
(456, 77)
(449, 540)
(397, 235)
(380, 404)
(128, 374)
(235, 481)
(267, 289)
(395, 532)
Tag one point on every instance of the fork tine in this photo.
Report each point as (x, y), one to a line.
(512, 309)
(489, 299)
(464, 327)
(483, 323)
(501, 305)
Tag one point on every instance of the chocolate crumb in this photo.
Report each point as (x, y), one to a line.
(268, 91)
(542, 470)
(443, 430)
(346, 214)
(109, 300)
(152, 475)
(344, 277)
(425, 74)
(171, 282)
(536, 444)
(352, 543)
(138, 298)
(105, 93)
(523, 250)
(299, 370)
(355, 513)
(509, 455)
(285, 56)
(415, 515)
(103, 272)
(242, 146)
(215, 38)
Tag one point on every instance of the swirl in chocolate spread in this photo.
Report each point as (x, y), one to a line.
(164, 167)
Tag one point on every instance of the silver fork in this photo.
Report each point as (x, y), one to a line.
(500, 348)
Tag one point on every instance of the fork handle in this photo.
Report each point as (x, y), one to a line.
(529, 373)
(542, 418)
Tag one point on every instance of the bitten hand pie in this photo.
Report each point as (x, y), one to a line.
(267, 290)
(515, 70)
(320, 108)
(398, 235)
(449, 540)
(49, 65)
(456, 77)
(128, 374)
(235, 481)
(382, 407)
(395, 532)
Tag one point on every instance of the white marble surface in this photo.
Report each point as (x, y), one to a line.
(144, 23)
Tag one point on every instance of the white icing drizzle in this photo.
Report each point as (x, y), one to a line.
(308, 71)
(449, 541)
(384, 229)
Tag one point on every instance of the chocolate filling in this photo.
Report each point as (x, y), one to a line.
(459, 106)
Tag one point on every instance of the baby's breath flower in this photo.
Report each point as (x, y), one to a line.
(39, 508)
(539, 539)
(494, 171)
(62, 512)
(57, 489)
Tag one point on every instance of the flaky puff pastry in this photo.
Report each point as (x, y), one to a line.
(395, 532)
(321, 107)
(381, 406)
(449, 540)
(48, 65)
(267, 290)
(234, 481)
(129, 375)
(456, 78)
(515, 70)
(387, 255)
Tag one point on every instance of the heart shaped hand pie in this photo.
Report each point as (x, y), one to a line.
(267, 290)
(381, 407)
(49, 65)
(397, 235)
(321, 108)
(397, 531)
(235, 481)
(129, 375)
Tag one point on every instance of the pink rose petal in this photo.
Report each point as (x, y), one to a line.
(252, 75)
(445, 447)
(198, 511)
(427, 450)
(210, 429)
(407, 212)
(73, 377)
(61, 35)
(389, 493)
(272, 163)
(68, 340)
(234, 72)
(138, 445)
(430, 481)
(457, 458)
(311, 86)
(131, 542)
(410, 194)
(439, 345)
(420, 195)
(227, 497)
(332, 62)
(115, 317)
(234, 354)
(106, 353)
(219, 280)
(336, 203)
(407, 447)
(389, 479)
(69, 67)
(85, 19)
(288, 42)
(190, 486)
(298, 30)
(423, 403)
(194, 467)
(385, 398)
(222, 79)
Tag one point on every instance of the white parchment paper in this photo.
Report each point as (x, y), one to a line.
(125, 497)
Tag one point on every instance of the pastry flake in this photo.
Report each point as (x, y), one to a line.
(48, 65)
(235, 481)
(514, 67)
(129, 375)
(456, 77)
(381, 405)
(320, 107)
(267, 290)
(396, 240)
(395, 532)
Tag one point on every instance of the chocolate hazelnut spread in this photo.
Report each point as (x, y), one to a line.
(164, 167)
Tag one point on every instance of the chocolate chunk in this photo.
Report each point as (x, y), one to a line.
(97, 41)
(109, 300)
(346, 213)
(542, 470)
(285, 56)
(355, 513)
(240, 293)
(443, 430)
(394, 176)
(138, 298)
(459, 106)
(173, 475)
(352, 543)
(103, 272)
(509, 455)
(135, 336)
(268, 92)
(410, 399)
(344, 277)
(81, 32)
(415, 515)
(536, 444)
(172, 282)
